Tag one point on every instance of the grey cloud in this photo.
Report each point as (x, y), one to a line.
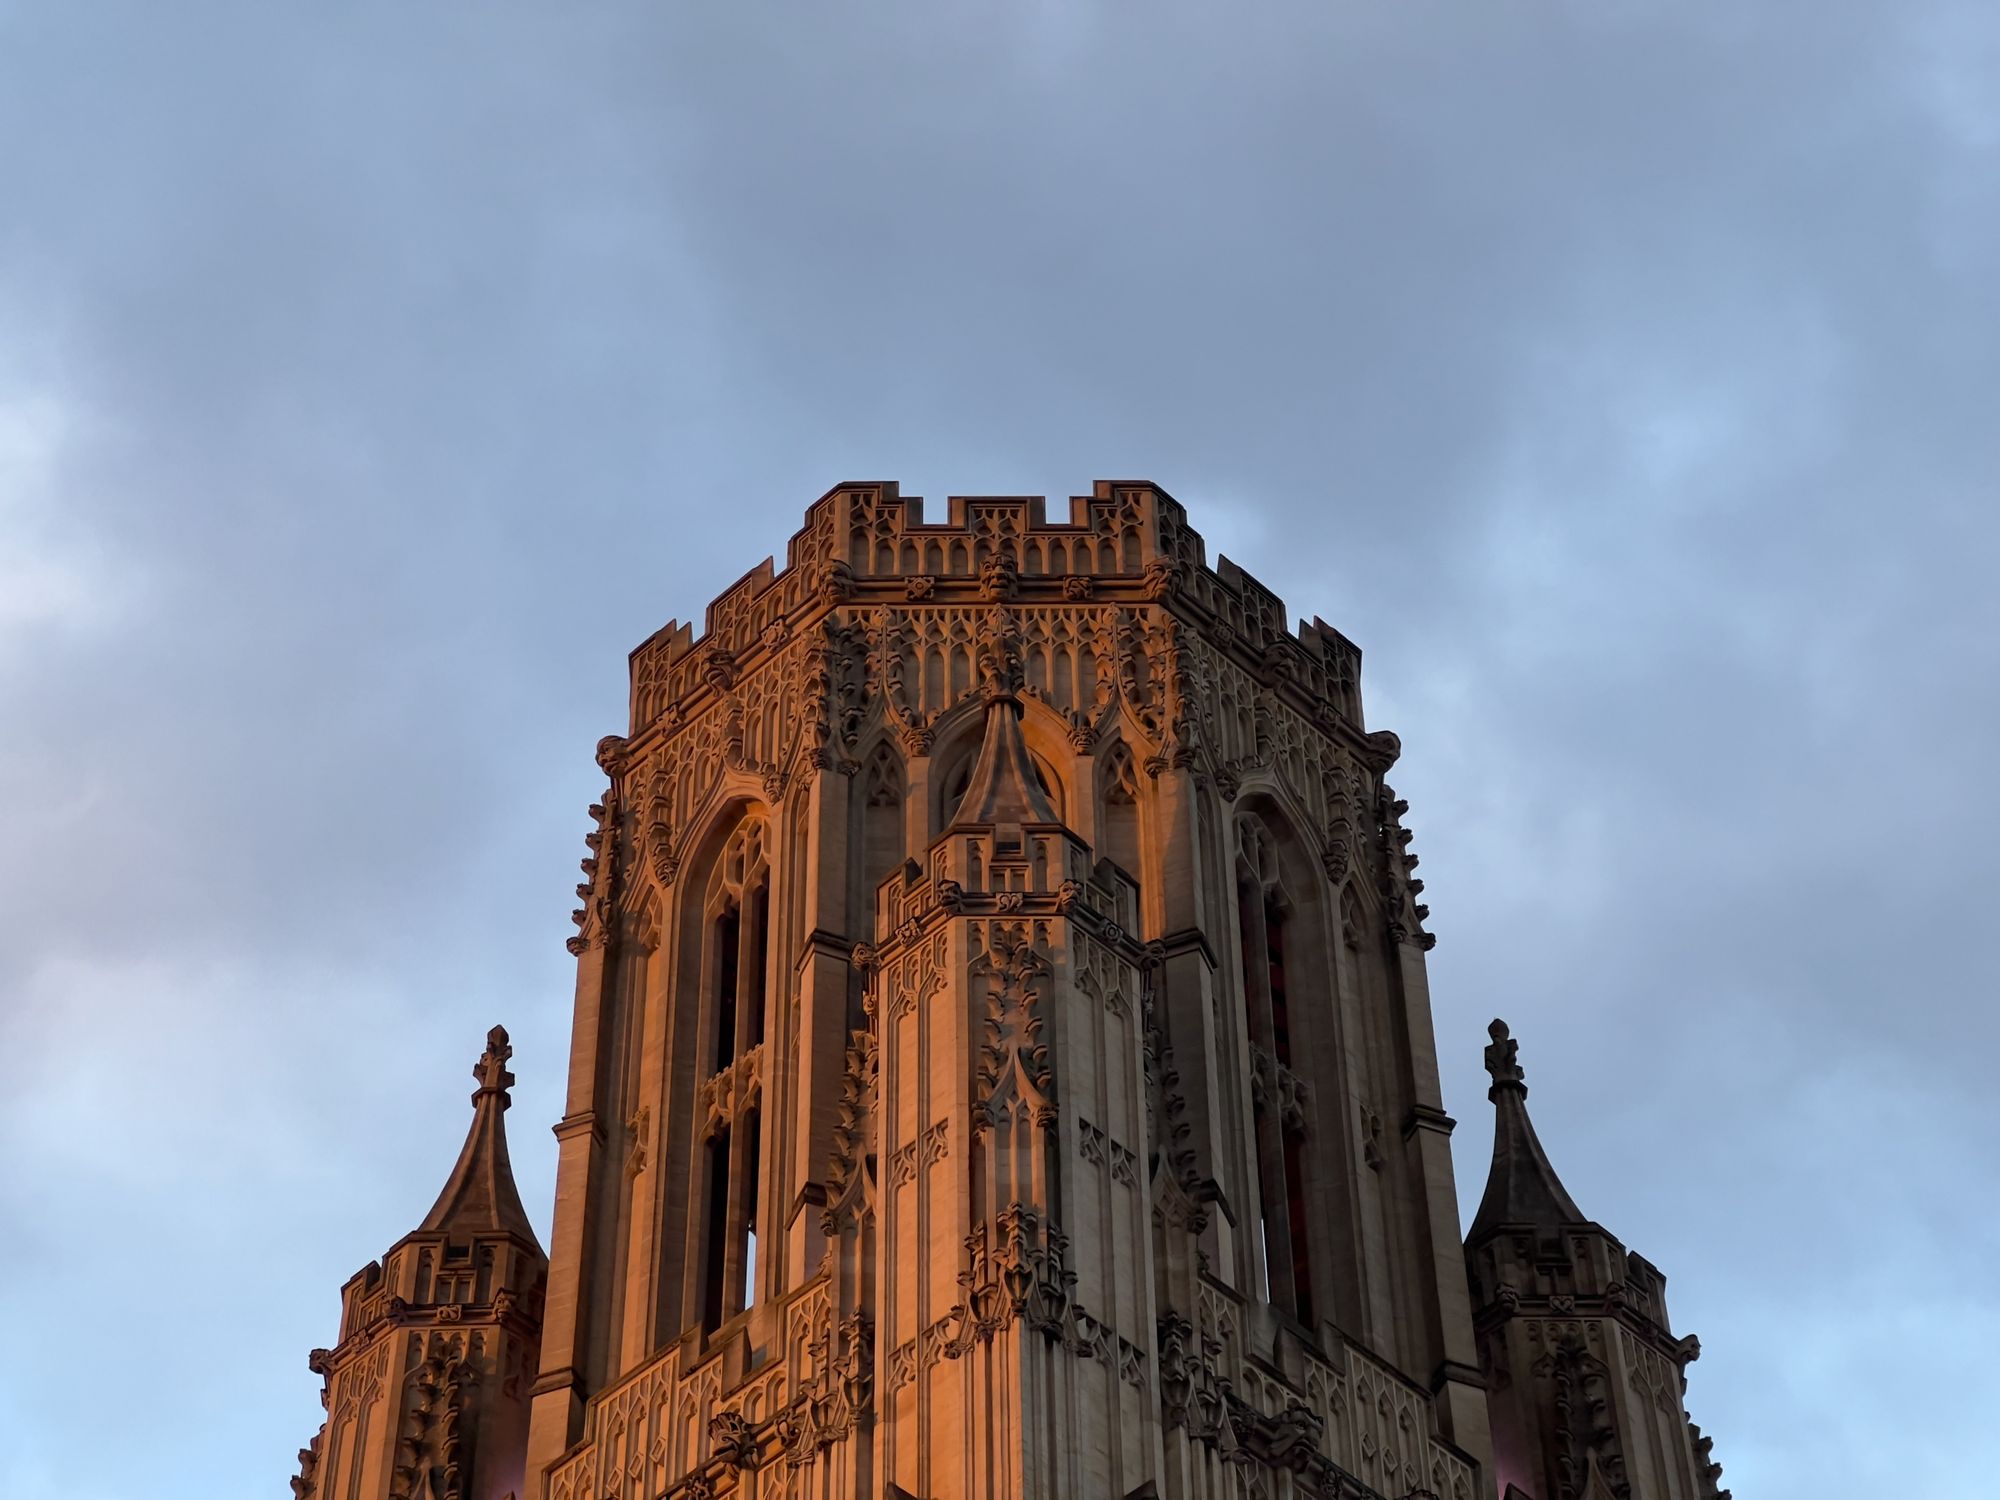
(1618, 376)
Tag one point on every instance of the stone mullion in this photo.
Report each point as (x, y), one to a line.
(778, 1106)
(736, 1207)
(1266, 1121)
(735, 1215)
(698, 1070)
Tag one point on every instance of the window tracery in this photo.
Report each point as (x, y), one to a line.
(1280, 1099)
(735, 968)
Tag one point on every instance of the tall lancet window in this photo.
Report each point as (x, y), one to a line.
(736, 988)
(1284, 1256)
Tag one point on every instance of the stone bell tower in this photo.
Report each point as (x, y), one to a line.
(426, 1393)
(1002, 1059)
(1002, 1069)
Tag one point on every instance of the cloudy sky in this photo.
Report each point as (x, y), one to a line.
(1621, 376)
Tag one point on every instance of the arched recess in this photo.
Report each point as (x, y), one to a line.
(1118, 815)
(725, 990)
(878, 839)
(1286, 929)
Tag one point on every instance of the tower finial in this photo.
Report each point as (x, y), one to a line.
(1502, 1061)
(480, 1196)
(491, 1069)
(1522, 1187)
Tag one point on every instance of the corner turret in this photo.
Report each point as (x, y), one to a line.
(1585, 1378)
(426, 1391)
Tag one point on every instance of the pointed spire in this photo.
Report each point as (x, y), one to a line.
(1522, 1187)
(480, 1197)
(1003, 787)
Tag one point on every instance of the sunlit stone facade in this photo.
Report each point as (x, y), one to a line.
(1002, 1059)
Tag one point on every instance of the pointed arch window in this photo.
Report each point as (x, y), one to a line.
(1264, 924)
(735, 966)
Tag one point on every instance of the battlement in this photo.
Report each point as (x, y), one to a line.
(864, 543)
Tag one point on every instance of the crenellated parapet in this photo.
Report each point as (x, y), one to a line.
(866, 552)
(881, 623)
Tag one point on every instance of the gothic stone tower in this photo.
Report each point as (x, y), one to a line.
(426, 1393)
(1002, 1061)
(1002, 1067)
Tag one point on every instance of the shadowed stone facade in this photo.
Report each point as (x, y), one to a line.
(1003, 1066)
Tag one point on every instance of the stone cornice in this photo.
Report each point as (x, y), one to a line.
(1188, 940)
(584, 1122)
(517, 1315)
(1427, 1117)
(1606, 1307)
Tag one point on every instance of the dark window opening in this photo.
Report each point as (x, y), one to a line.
(728, 936)
(716, 1240)
(753, 1133)
(1274, 958)
(1268, 1288)
(1295, 1213)
(1284, 1240)
(760, 924)
(1246, 941)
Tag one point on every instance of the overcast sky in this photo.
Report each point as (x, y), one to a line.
(1623, 377)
